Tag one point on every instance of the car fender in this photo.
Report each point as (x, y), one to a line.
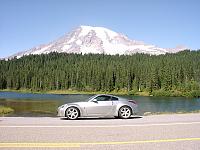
(117, 109)
(82, 112)
(121, 105)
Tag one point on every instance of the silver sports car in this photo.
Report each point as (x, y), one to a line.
(99, 106)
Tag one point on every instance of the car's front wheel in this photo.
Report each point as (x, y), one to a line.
(72, 113)
(124, 112)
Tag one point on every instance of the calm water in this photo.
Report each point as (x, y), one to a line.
(26, 104)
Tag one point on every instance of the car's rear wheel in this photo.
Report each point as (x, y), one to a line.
(125, 112)
(72, 113)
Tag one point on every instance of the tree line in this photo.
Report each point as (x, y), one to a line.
(179, 72)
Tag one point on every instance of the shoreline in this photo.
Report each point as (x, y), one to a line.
(76, 92)
(143, 93)
(170, 113)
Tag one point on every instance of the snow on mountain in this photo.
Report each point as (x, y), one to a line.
(87, 39)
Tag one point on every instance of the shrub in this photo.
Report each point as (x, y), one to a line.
(5, 110)
(194, 93)
(161, 93)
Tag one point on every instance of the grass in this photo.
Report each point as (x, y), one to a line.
(175, 93)
(66, 92)
(5, 110)
(143, 93)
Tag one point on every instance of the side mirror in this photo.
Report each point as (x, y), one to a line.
(95, 100)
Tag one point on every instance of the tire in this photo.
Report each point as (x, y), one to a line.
(125, 112)
(72, 113)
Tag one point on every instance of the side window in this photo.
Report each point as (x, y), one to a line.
(103, 98)
(114, 99)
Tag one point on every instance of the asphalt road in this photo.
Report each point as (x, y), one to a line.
(159, 132)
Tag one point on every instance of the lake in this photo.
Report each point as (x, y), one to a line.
(27, 104)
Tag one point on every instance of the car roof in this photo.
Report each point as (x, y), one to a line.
(106, 95)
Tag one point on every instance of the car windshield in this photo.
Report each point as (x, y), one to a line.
(91, 98)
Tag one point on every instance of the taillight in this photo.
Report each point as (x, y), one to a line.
(132, 101)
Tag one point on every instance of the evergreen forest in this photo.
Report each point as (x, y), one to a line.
(163, 75)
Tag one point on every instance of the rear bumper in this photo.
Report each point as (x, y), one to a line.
(134, 110)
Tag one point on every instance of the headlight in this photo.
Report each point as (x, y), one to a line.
(62, 106)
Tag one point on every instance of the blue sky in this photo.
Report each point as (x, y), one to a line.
(165, 23)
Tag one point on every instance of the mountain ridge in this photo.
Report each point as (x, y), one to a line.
(96, 40)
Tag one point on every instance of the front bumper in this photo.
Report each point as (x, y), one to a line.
(61, 112)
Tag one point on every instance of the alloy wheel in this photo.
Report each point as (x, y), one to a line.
(125, 112)
(72, 113)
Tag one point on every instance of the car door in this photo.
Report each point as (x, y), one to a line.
(100, 106)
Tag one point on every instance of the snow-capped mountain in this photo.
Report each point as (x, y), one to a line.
(87, 39)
